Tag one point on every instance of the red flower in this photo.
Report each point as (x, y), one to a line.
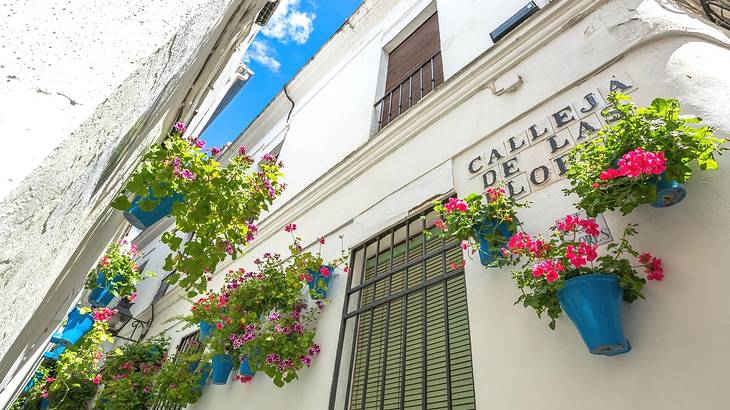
(321, 240)
(290, 227)
(324, 271)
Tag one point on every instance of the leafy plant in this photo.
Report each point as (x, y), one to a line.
(667, 143)
(569, 252)
(120, 271)
(221, 203)
(73, 380)
(178, 380)
(462, 218)
(129, 372)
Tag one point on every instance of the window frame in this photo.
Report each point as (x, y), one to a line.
(348, 314)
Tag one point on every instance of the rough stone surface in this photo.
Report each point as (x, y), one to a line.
(85, 88)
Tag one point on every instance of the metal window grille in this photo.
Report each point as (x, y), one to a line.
(410, 91)
(266, 12)
(407, 309)
(187, 344)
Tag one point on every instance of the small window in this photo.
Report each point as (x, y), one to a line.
(405, 341)
(414, 70)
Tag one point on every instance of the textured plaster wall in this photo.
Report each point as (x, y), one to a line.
(85, 88)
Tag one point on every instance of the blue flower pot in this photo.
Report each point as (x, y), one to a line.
(319, 285)
(245, 369)
(144, 219)
(102, 295)
(70, 336)
(55, 354)
(593, 302)
(204, 373)
(498, 232)
(205, 330)
(44, 404)
(668, 192)
(222, 366)
(36, 377)
(73, 317)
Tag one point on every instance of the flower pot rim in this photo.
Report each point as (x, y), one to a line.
(590, 277)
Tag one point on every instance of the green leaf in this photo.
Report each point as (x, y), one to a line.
(121, 203)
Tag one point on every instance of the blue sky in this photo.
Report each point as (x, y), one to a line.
(295, 32)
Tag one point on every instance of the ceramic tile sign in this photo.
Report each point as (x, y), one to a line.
(533, 155)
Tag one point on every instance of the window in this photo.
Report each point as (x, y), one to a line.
(405, 324)
(187, 344)
(414, 70)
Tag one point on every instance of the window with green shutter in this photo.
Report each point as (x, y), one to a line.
(405, 324)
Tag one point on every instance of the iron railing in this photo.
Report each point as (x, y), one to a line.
(426, 77)
(718, 11)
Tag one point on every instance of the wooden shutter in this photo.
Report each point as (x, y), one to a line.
(414, 70)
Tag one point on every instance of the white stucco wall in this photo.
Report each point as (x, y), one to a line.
(346, 182)
(87, 87)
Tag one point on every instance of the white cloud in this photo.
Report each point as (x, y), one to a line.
(289, 23)
(261, 53)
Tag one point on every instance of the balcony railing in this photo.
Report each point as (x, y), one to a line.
(410, 91)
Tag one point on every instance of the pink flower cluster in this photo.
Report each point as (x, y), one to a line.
(324, 271)
(493, 194)
(456, 204)
(652, 266)
(103, 314)
(180, 172)
(573, 223)
(242, 379)
(522, 242)
(439, 224)
(238, 340)
(579, 256)
(636, 163)
(180, 127)
(548, 268)
(290, 227)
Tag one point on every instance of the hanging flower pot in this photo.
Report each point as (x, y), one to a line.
(54, 354)
(619, 169)
(492, 236)
(102, 295)
(73, 317)
(593, 302)
(320, 281)
(668, 192)
(70, 336)
(222, 366)
(245, 369)
(205, 330)
(44, 404)
(141, 219)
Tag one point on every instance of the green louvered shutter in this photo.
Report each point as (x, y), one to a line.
(411, 346)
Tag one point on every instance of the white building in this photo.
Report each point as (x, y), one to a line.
(366, 149)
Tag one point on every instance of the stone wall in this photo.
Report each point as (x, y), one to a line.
(88, 87)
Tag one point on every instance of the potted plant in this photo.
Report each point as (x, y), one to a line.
(220, 205)
(283, 344)
(206, 313)
(79, 322)
(482, 223)
(643, 158)
(180, 380)
(311, 267)
(116, 274)
(565, 272)
(129, 372)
